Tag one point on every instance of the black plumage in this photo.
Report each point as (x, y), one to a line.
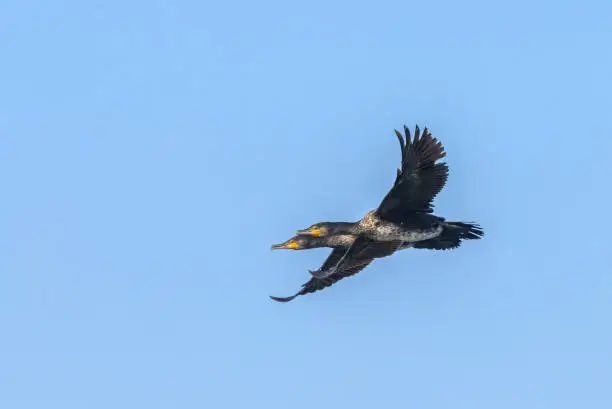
(403, 219)
(363, 257)
(405, 213)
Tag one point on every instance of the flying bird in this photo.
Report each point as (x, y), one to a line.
(405, 213)
(404, 219)
(340, 243)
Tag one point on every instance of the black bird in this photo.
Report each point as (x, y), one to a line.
(340, 243)
(404, 215)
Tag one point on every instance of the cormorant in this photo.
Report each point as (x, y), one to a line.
(449, 239)
(339, 243)
(404, 215)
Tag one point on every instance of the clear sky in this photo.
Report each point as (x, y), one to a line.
(151, 152)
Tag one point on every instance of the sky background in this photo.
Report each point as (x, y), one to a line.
(151, 152)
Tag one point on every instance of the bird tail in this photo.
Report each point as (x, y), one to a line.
(467, 231)
(451, 236)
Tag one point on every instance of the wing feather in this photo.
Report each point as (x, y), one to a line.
(316, 284)
(419, 180)
(363, 254)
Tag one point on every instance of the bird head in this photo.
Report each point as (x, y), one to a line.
(317, 230)
(327, 229)
(295, 243)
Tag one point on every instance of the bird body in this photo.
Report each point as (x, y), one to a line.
(449, 239)
(403, 219)
(375, 228)
(405, 212)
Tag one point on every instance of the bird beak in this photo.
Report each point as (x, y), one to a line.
(289, 245)
(309, 232)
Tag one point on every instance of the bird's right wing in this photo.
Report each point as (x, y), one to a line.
(356, 257)
(361, 248)
(316, 284)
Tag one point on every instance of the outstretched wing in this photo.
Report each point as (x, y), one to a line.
(356, 260)
(364, 248)
(315, 284)
(418, 181)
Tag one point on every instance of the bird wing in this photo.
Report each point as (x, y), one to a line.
(356, 258)
(418, 181)
(364, 247)
(333, 257)
(316, 284)
(361, 248)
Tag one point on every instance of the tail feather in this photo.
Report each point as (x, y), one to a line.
(452, 236)
(468, 231)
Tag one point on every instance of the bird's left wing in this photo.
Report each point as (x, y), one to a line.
(418, 181)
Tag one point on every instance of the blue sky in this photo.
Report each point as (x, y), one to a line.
(152, 151)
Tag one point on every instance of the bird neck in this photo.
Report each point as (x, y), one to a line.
(343, 228)
(339, 240)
